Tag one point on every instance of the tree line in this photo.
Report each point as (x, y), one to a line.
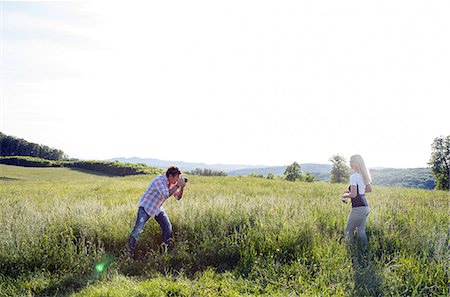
(12, 146)
(206, 172)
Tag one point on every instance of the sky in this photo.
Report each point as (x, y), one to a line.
(232, 82)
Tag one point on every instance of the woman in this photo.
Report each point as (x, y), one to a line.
(359, 185)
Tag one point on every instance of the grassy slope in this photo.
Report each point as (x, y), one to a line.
(17, 173)
(234, 236)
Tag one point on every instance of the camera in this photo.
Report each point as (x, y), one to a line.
(185, 179)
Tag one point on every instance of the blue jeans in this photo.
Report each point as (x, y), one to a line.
(161, 218)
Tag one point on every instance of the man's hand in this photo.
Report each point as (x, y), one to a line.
(178, 194)
(181, 183)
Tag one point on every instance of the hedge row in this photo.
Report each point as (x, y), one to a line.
(26, 161)
(114, 168)
(110, 168)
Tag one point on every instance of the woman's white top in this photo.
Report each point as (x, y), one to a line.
(357, 179)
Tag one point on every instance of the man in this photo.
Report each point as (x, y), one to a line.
(150, 205)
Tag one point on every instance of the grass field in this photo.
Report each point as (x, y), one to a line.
(63, 232)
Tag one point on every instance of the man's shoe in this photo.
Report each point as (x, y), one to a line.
(131, 246)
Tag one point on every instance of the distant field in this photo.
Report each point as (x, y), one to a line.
(11, 173)
(63, 232)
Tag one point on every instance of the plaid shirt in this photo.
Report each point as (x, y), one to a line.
(155, 195)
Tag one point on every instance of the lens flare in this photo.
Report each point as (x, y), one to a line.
(104, 263)
(100, 267)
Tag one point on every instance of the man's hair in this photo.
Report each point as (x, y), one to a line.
(172, 170)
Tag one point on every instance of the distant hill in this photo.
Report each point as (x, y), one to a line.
(233, 169)
(184, 166)
(321, 171)
(421, 178)
(408, 177)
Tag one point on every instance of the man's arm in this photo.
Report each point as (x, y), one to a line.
(173, 190)
(179, 194)
(180, 184)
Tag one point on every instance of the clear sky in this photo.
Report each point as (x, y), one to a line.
(234, 82)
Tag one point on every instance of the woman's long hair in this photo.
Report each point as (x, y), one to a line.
(361, 168)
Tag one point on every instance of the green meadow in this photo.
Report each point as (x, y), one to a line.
(63, 232)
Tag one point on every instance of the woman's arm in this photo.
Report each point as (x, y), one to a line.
(352, 193)
(368, 188)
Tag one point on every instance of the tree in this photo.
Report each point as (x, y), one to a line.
(339, 170)
(440, 162)
(292, 172)
(309, 177)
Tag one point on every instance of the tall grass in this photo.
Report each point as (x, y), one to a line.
(233, 236)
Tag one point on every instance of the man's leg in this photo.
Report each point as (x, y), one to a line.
(166, 226)
(141, 219)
